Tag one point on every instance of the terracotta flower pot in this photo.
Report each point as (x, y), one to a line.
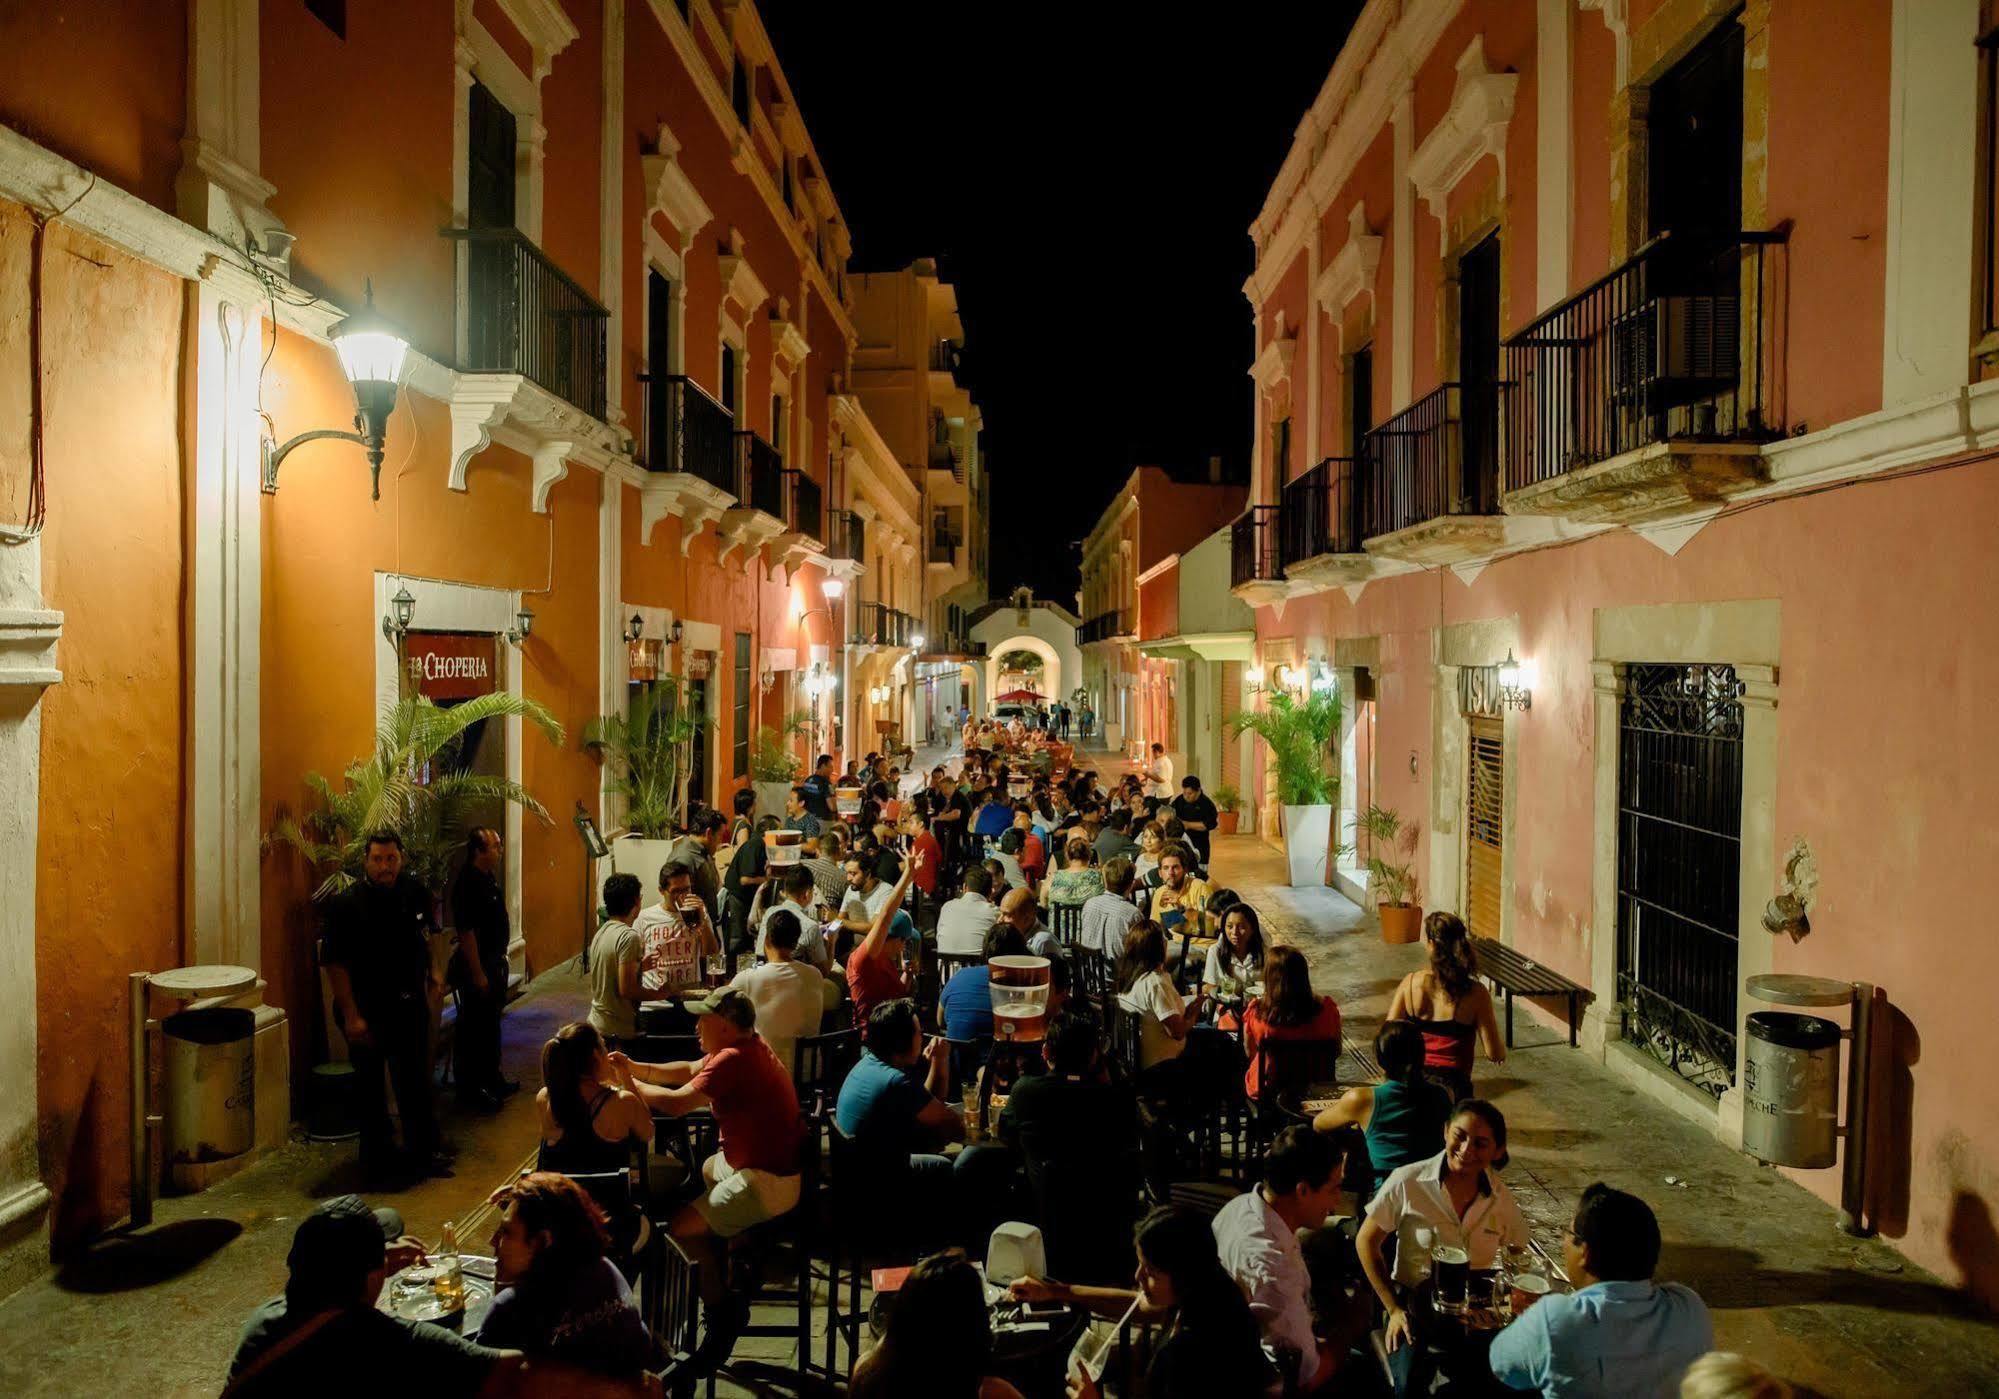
(1225, 822)
(1401, 923)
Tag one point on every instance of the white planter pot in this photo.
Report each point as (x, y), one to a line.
(633, 855)
(1307, 832)
(771, 797)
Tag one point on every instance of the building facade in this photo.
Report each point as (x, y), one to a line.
(623, 445)
(1152, 517)
(1645, 345)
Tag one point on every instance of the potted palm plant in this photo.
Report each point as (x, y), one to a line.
(1228, 802)
(1390, 876)
(774, 766)
(407, 786)
(1299, 733)
(646, 762)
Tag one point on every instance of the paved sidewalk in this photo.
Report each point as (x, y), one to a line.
(157, 1312)
(1849, 1317)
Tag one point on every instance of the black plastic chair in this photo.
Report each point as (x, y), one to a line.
(1065, 921)
(790, 1236)
(820, 1063)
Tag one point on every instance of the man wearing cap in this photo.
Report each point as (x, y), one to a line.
(754, 1176)
(324, 1335)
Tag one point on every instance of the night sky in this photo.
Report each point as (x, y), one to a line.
(1085, 176)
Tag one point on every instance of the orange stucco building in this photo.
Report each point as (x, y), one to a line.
(626, 408)
(1647, 344)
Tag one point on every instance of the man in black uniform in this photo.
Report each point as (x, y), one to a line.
(378, 959)
(479, 971)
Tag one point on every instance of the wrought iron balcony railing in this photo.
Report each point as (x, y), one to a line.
(1253, 548)
(1322, 510)
(759, 475)
(1673, 344)
(1426, 462)
(1102, 627)
(806, 514)
(682, 429)
(846, 536)
(878, 624)
(527, 316)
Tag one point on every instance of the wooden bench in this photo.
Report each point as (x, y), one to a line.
(1510, 972)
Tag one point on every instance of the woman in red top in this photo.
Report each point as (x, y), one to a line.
(1289, 1010)
(1446, 1002)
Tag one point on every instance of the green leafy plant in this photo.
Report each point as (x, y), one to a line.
(1299, 734)
(646, 758)
(406, 786)
(771, 756)
(1227, 798)
(1393, 880)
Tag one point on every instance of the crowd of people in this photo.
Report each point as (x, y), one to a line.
(1182, 1048)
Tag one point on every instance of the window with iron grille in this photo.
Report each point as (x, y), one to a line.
(1679, 866)
(1485, 800)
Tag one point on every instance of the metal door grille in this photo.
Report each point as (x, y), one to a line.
(1485, 796)
(1679, 865)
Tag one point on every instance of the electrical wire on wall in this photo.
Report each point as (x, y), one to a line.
(38, 501)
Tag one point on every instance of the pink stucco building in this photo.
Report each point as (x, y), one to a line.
(1647, 343)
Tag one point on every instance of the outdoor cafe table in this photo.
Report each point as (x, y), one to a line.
(477, 1271)
(1030, 1354)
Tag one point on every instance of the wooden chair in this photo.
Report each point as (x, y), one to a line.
(673, 1315)
(1094, 982)
(1065, 921)
(948, 963)
(819, 1063)
(1287, 1072)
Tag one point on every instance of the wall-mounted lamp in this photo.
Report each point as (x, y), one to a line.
(765, 679)
(675, 632)
(1516, 682)
(820, 681)
(1324, 678)
(402, 608)
(916, 641)
(523, 626)
(371, 356)
(1252, 676)
(635, 628)
(834, 589)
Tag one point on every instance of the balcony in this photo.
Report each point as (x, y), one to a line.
(682, 429)
(804, 510)
(759, 486)
(942, 551)
(1105, 626)
(1320, 525)
(846, 536)
(878, 624)
(1649, 392)
(524, 315)
(1256, 565)
(1431, 485)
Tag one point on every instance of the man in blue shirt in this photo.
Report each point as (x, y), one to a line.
(966, 1003)
(1618, 1332)
(995, 817)
(818, 788)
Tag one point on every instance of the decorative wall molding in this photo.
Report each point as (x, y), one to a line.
(516, 412)
(1353, 269)
(739, 280)
(1617, 19)
(1474, 127)
(671, 191)
(546, 28)
(1273, 366)
(694, 501)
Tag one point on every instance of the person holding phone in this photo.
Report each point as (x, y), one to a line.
(1211, 1345)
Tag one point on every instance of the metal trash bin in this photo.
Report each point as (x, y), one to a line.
(1791, 1089)
(211, 1084)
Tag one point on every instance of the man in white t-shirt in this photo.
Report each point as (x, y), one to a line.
(676, 932)
(962, 924)
(1159, 774)
(790, 995)
(866, 893)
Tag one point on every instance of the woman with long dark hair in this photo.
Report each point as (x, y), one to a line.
(558, 1294)
(1212, 1345)
(1234, 973)
(1288, 1009)
(1446, 1002)
(1401, 1117)
(1145, 989)
(939, 1341)
(591, 1114)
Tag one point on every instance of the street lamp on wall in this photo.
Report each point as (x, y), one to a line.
(523, 626)
(371, 353)
(675, 632)
(834, 589)
(402, 610)
(635, 628)
(1516, 682)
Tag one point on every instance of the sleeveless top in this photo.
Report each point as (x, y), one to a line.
(1406, 1124)
(586, 1153)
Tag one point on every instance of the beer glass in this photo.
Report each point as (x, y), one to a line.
(1451, 1267)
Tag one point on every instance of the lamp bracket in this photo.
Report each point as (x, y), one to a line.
(274, 455)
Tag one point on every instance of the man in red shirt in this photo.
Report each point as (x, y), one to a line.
(874, 971)
(924, 846)
(754, 1177)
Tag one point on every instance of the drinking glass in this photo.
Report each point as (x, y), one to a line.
(1452, 1266)
(1479, 1284)
(1423, 1237)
